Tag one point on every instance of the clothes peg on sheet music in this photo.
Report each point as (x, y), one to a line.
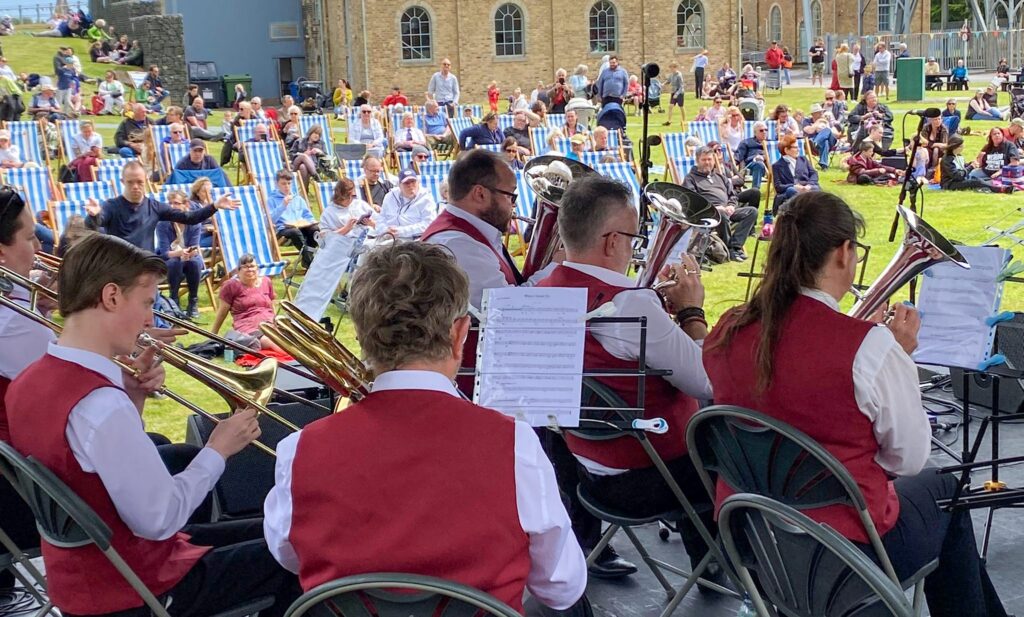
(655, 425)
(993, 360)
(992, 320)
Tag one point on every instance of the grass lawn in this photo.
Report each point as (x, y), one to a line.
(959, 216)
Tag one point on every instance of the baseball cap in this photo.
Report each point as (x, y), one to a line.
(406, 175)
(196, 143)
(578, 138)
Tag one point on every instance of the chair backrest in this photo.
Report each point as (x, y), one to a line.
(475, 110)
(114, 163)
(674, 144)
(505, 121)
(308, 120)
(68, 129)
(264, 159)
(397, 595)
(25, 135)
(247, 230)
(404, 159)
(432, 184)
(681, 166)
(496, 148)
(460, 124)
(593, 159)
(324, 193)
(167, 188)
(396, 121)
(806, 569)
(748, 129)
(623, 172)
(524, 203)
(555, 120)
(81, 191)
(170, 155)
(161, 131)
(108, 173)
(705, 130)
(615, 138)
(62, 210)
(539, 138)
(435, 168)
(35, 185)
(247, 130)
(353, 169)
(773, 150)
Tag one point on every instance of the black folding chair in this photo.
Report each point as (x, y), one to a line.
(18, 561)
(738, 443)
(65, 520)
(397, 595)
(805, 568)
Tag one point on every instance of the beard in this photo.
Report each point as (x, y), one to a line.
(496, 216)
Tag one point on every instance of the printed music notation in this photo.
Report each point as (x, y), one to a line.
(530, 356)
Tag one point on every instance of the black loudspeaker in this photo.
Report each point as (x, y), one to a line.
(249, 475)
(1009, 341)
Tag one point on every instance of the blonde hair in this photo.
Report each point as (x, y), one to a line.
(403, 302)
(198, 186)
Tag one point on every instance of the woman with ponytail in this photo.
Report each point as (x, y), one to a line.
(852, 386)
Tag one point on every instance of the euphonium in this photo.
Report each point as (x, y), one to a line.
(922, 247)
(679, 210)
(549, 176)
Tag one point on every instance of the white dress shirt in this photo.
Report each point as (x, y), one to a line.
(885, 388)
(558, 570)
(479, 263)
(107, 437)
(22, 341)
(411, 217)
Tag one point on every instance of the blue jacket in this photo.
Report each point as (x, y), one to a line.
(137, 224)
(783, 179)
(296, 210)
(166, 235)
(748, 149)
(479, 134)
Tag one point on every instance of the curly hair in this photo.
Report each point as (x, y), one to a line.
(403, 302)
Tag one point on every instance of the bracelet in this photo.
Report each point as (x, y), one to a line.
(691, 320)
(690, 312)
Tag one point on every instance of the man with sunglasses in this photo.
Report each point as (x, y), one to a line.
(600, 230)
(751, 153)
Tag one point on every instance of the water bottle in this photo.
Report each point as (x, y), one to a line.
(767, 224)
(229, 354)
(747, 608)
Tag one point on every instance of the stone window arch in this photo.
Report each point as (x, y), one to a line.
(690, 24)
(509, 30)
(416, 34)
(603, 27)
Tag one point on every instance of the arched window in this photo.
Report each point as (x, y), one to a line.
(816, 18)
(690, 24)
(603, 27)
(416, 34)
(775, 24)
(508, 31)
(802, 46)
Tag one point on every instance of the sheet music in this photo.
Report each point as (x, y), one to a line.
(954, 305)
(530, 355)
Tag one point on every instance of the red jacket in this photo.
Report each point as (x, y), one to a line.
(395, 99)
(861, 165)
(773, 57)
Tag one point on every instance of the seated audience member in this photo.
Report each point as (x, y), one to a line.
(196, 115)
(980, 109)
(177, 133)
(997, 152)
(864, 169)
(954, 174)
(197, 157)
(1014, 133)
(249, 297)
(178, 245)
(958, 76)
(407, 209)
(407, 136)
(435, 125)
(868, 113)
(92, 422)
(46, 102)
(131, 132)
(49, 138)
(10, 154)
(378, 181)
(291, 126)
(481, 134)
(792, 174)
(739, 211)
(292, 217)
(821, 134)
(510, 152)
(367, 130)
(750, 153)
(599, 142)
(790, 347)
(112, 93)
(876, 136)
(190, 95)
(346, 214)
(395, 98)
(836, 109)
(784, 123)
(408, 303)
(520, 132)
(932, 139)
(932, 77)
(991, 96)
(86, 152)
(341, 98)
(307, 152)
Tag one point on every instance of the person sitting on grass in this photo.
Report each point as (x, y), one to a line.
(864, 169)
(955, 174)
(997, 152)
(980, 109)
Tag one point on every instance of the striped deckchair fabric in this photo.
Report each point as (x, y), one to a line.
(353, 169)
(83, 191)
(162, 131)
(170, 154)
(35, 185)
(772, 148)
(591, 158)
(623, 172)
(109, 174)
(324, 193)
(111, 163)
(505, 121)
(435, 168)
(396, 121)
(555, 120)
(246, 229)
(404, 159)
(524, 203)
(539, 138)
(264, 159)
(25, 135)
(167, 188)
(61, 211)
(269, 184)
(681, 166)
(748, 129)
(615, 138)
(432, 184)
(247, 129)
(706, 131)
(67, 130)
(475, 110)
(460, 124)
(324, 122)
(492, 147)
(674, 145)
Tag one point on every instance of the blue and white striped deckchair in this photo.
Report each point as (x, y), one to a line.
(435, 168)
(560, 145)
(591, 158)
(263, 159)
(705, 130)
(353, 169)
(25, 135)
(539, 138)
(432, 184)
(524, 203)
(674, 145)
(269, 184)
(67, 129)
(748, 129)
(324, 193)
(61, 211)
(396, 121)
(161, 131)
(404, 159)
(83, 191)
(109, 173)
(505, 121)
(492, 147)
(170, 154)
(34, 185)
(167, 188)
(681, 166)
(475, 110)
(460, 124)
(247, 129)
(116, 162)
(555, 121)
(773, 150)
(623, 172)
(246, 229)
(308, 120)
(615, 139)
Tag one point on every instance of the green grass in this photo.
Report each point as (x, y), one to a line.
(959, 216)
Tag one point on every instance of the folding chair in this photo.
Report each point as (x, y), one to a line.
(705, 130)
(591, 158)
(64, 519)
(247, 130)
(307, 121)
(680, 166)
(674, 145)
(458, 125)
(435, 168)
(62, 210)
(539, 139)
(35, 186)
(109, 173)
(170, 154)
(772, 156)
(615, 424)
(404, 159)
(163, 131)
(555, 120)
(353, 169)
(735, 443)
(25, 135)
(67, 129)
(84, 191)
(505, 121)
(804, 568)
(432, 184)
(748, 129)
(496, 148)
(246, 229)
(408, 595)
(264, 159)
(13, 558)
(625, 173)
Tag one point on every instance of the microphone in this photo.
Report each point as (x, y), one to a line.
(931, 112)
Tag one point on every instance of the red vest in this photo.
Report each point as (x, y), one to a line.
(81, 580)
(661, 398)
(5, 430)
(410, 481)
(446, 221)
(812, 390)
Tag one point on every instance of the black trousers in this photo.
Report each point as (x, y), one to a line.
(643, 492)
(960, 586)
(189, 270)
(302, 238)
(698, 81)
(856, 85)
(735, 228)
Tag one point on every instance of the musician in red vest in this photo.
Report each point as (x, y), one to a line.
(599, 227)
(89, 432)
(413, 478)
(482, 192)
(852, 386)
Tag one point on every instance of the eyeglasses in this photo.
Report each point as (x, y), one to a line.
(422, 157)
(762, 130)
(511, 151)
(861, 249)
(177, 132)
(365, 112)
(638, 243)
(512, 196)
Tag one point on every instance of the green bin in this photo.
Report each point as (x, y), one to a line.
(910, 85)
(229, 87)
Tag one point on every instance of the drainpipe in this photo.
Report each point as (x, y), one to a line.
(346, 17)
(324, 69)
(366, 50)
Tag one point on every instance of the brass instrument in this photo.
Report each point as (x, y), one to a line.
(922, 247)
(549, 176)
(679, 210)
(315, 348)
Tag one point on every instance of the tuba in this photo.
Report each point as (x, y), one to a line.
(679, 209)
(922, 248)
(548, 175)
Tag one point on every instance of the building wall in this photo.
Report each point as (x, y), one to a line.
(556, 35)
(236, 35)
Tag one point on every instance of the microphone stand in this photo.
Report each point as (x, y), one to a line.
(645, 146)
(907, 179)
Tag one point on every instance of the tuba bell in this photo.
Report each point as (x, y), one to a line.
(549, 176)
(679, 209)
(922, 247)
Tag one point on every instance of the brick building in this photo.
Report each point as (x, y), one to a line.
(379, 43)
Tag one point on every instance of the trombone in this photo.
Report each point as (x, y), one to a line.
(252, 388)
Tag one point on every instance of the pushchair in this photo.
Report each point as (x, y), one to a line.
(612, 117)
(311, 96)
(1017, 106)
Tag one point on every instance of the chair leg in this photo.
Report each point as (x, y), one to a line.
(606, 538)
(651, 563)
(918, 598)
(685, 589)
